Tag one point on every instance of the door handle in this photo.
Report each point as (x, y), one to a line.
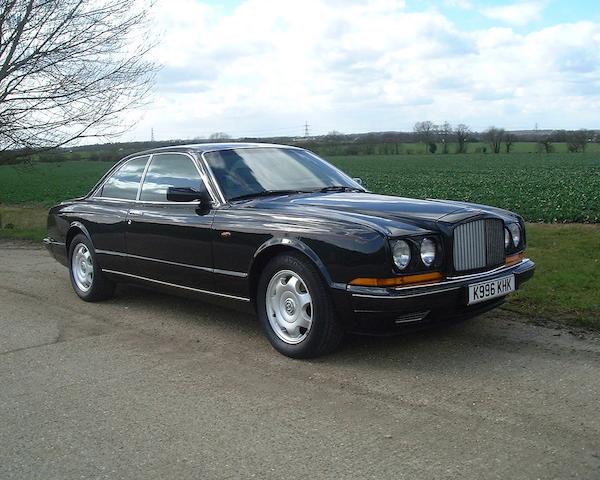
(136, 213)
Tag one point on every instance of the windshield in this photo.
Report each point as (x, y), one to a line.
(247, 171)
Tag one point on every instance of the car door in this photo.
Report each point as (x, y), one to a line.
(105, 215)
(171, 241)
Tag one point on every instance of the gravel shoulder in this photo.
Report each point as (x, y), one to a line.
(152, 386)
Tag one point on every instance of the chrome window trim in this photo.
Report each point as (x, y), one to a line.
(168, 284)
(114, 170)
(143, 178)
(203, 176)
(212, 175)
(196, 267)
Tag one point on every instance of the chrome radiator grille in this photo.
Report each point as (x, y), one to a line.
(478, 244)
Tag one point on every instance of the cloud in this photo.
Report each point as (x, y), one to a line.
(517, 14)
(267, 66)
(460, 4)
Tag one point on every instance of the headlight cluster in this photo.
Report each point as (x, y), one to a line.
(512, 232)
(401, 252)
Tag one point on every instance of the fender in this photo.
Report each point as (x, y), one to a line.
(79, 226)
(300, 246)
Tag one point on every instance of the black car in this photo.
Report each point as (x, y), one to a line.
(279, 231)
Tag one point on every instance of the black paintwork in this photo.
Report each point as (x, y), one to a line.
(222, 248)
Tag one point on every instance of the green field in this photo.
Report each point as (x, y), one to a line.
(556, 188)
(48, 183)
(543, 188)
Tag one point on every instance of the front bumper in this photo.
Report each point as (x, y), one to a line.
(387, 310)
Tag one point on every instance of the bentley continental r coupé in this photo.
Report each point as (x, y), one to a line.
(281, 232)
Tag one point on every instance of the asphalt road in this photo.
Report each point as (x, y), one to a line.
(151, 386)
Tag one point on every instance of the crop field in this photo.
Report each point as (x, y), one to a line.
(48, 183)
(556, 188)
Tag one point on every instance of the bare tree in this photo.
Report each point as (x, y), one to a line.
(334, 136)
(494, 137)
(446, 133)
(425, 132)
(218, 136)
(577, 140)
(68, 68)
(545, 144)
(462, 134)
(509, 141)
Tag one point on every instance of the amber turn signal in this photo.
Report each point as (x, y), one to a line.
(398, 281)
(512, 259)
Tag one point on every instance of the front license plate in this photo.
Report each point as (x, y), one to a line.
(480, 292)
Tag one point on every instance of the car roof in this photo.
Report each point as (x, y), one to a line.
(209, 147)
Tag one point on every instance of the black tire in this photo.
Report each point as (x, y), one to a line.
(325, 333)
(100, 287)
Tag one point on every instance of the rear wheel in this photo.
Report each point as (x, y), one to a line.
(295, 309)
(86, 276)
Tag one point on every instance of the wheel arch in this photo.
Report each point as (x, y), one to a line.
(75, 228)
(276, 246)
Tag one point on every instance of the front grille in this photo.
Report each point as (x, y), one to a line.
(478, 245)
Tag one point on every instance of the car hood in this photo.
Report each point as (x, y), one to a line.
(389, 214)
(384, 206)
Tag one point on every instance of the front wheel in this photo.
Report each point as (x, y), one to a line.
(86, 276)
(295, 309)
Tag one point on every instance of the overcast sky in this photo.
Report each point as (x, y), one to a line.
(264, 67)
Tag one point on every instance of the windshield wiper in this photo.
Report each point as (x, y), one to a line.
(264, 193)
(340, 188)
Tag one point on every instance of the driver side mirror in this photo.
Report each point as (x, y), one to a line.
(185, 194)
(359, 181)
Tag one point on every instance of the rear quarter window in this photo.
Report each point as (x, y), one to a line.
(124, 183)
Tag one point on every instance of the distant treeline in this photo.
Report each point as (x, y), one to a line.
(427, 138)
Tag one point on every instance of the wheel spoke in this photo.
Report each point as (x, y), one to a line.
(304, 320)
(293, 283)
(281, 323)
(293, 330)
(279, 288)
(304, 299)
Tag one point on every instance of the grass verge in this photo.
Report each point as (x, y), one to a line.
(565, 288)
(566, 285)
(24, 222)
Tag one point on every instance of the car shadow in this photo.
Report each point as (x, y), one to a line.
(175, 312)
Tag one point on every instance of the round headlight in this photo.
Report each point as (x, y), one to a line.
(506, 238)
(427, 252)
(515, 233)
(401, 254)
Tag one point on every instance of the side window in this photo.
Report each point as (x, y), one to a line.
(124, 183)
(169, 170)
